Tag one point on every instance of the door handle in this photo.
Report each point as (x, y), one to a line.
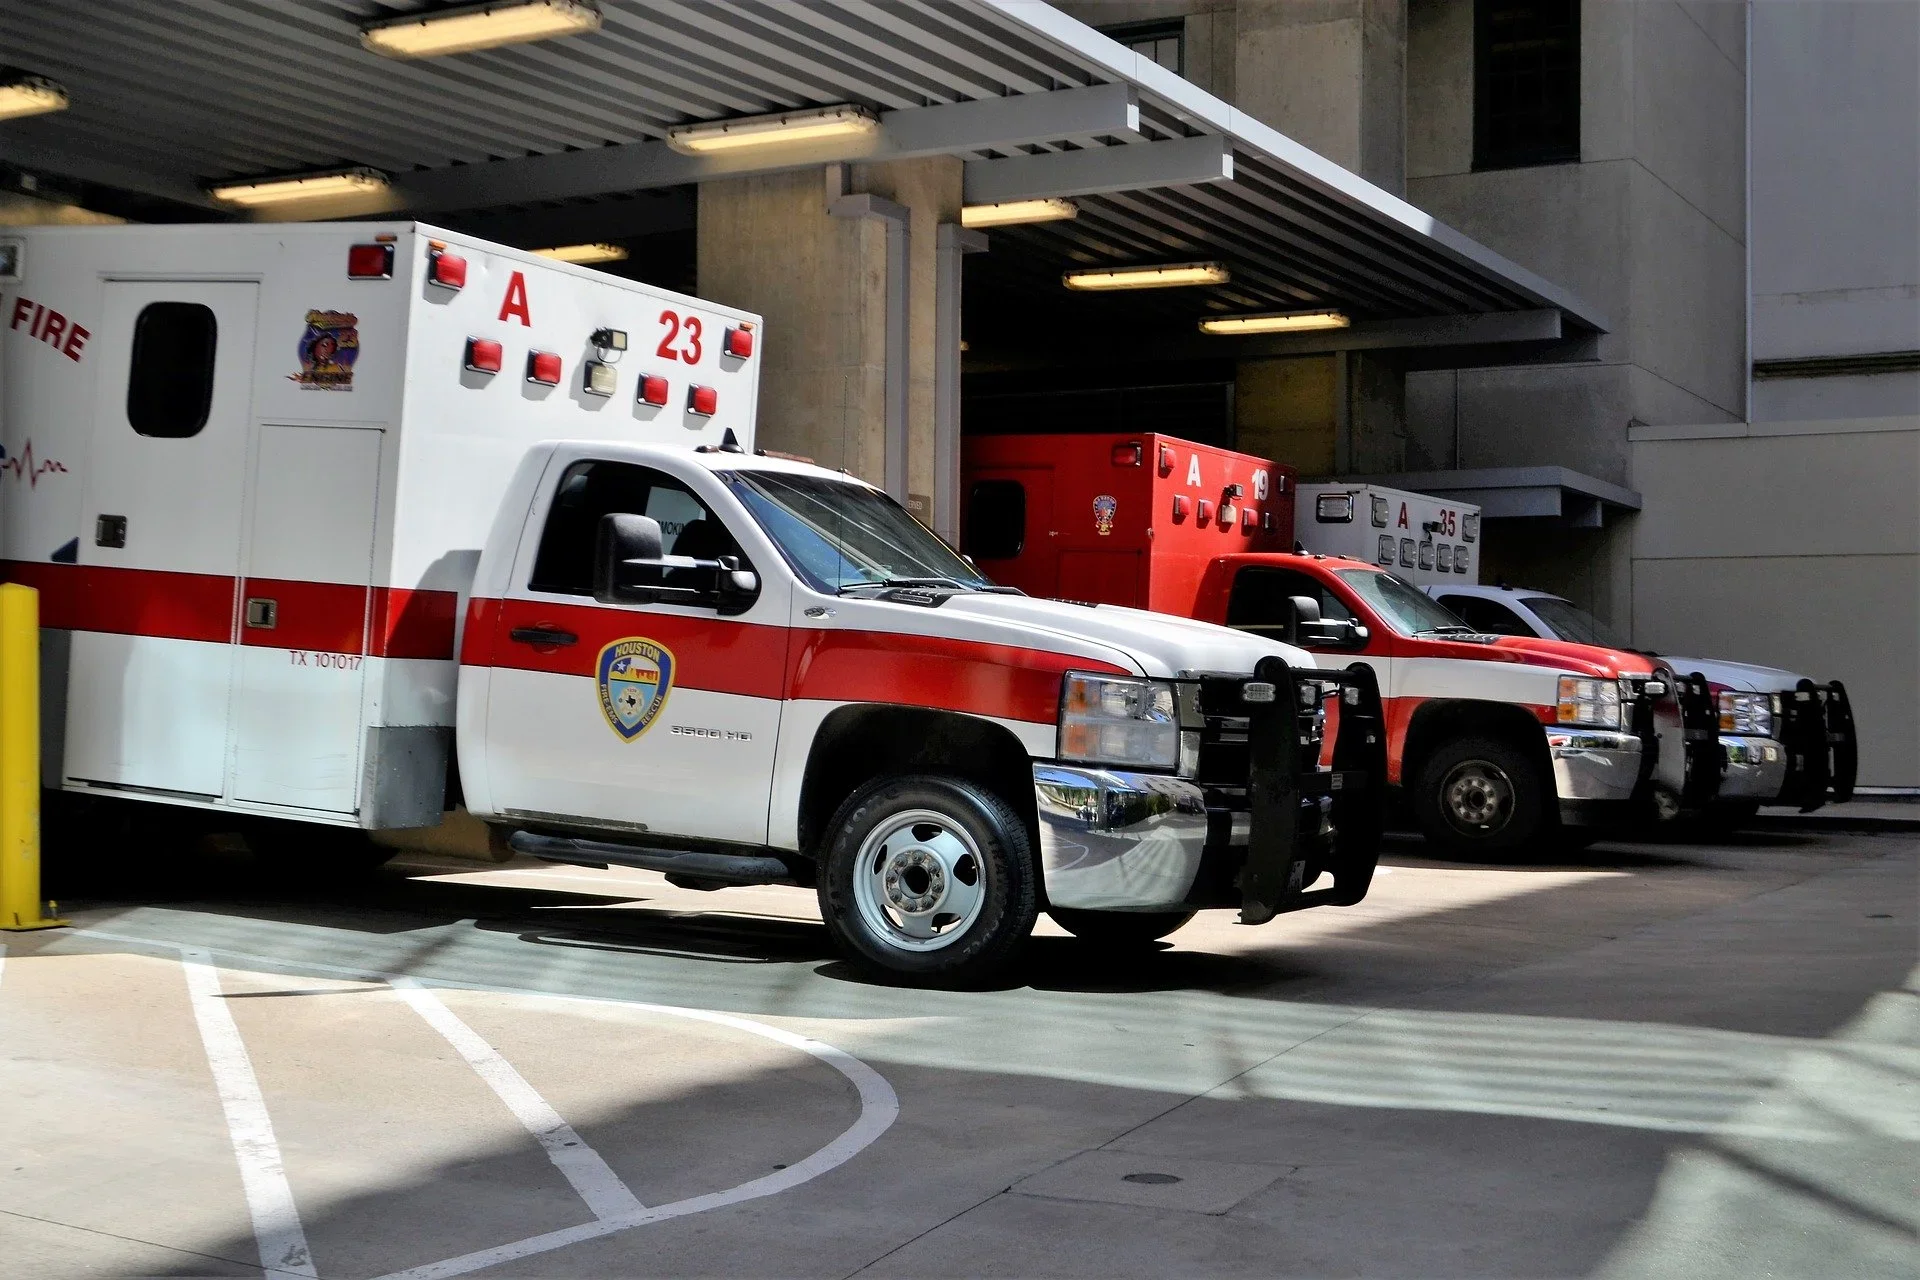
(542, 636)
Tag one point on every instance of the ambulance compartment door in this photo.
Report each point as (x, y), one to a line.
(1009, 528)
(151, 667)
(298, 692)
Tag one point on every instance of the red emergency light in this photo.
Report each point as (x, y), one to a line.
(370, 262)
(446, 270)
(1166, 459)
(1179, 507)
(1202, 511)
(1128, 454)
(484, 355)
(739, 342)
(543, 367)
(703, 401)
(653, 389)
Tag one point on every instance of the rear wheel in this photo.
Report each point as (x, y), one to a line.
(928, 880)
(1119, 928)
(1481, 796)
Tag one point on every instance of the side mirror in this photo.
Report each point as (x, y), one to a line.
(630, 568)
(1310, 629)
(624, 548)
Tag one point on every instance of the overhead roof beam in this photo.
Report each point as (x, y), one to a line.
(988, 124)
(105, 173)
(1096, 170)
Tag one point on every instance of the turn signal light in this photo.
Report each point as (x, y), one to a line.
(653, 389)
(703, 401)
(739, 342)
(484, 355)
(543, 367)
(370, 262)
(446, 270)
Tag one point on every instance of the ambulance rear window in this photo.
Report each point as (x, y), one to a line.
(996, 526)
(170, 384)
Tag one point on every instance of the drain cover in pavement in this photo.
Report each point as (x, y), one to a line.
(1123, 1177)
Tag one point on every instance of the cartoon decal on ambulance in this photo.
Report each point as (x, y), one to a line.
(328, 349)
(635, 675)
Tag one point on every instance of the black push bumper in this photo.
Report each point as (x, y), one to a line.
(1823, 749)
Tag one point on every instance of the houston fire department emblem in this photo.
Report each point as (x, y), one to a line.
(1103, 508)
(635, 677)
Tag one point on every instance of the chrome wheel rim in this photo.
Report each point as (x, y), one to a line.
(1477, 796)
(919, 883)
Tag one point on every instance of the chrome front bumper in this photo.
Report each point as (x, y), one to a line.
(1756, 768)
(1114, 841)
(1594, 764)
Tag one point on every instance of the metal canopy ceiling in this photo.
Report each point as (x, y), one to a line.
(166, 98)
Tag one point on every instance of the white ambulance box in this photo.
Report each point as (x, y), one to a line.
(1426, 540)
(250, 469)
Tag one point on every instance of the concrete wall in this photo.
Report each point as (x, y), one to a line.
(1649, 227)
(1836, 189)
(1795, 545)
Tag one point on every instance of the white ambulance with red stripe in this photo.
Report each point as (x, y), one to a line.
(336, 525)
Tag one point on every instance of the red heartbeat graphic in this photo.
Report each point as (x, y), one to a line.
(26, 468)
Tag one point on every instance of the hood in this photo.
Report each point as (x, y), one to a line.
(1162, 644)
(1580, 659)
(1742, 676)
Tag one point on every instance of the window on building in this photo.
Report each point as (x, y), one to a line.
(590, 490)
(170, 382)
(1526, 72)
(1163, 42)
(996, 520)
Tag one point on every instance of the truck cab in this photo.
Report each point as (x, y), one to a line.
(1784, 739)
(1493, 740)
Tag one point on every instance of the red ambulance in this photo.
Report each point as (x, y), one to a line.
(1493, 741)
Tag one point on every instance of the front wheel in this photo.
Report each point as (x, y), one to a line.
(1119, 928)
(928, 880)
(1481, 797)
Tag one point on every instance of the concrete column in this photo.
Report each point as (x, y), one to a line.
(1330, 74)
(846, 272)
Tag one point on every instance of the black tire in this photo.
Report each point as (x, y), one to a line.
(1007, 888)
(1482, 797)
(1119, 929)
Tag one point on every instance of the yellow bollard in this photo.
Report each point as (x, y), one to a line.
(20, 905)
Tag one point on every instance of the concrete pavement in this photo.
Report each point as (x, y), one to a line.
(1646, 1060)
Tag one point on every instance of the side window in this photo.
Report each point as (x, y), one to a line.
(1262, 600)
(996, 520)
(590, 490)
(170, 383)
(1487, 615)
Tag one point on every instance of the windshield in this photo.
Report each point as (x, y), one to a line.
(1570, 622)
(839, 535)
(1406, 608)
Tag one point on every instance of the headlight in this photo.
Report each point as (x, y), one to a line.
(1592, 703)
(1109, 720)
(1750, 713)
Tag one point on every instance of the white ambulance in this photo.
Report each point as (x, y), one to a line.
(340, 524)
(1426, 540)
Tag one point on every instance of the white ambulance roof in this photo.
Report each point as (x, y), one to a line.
(714, 460)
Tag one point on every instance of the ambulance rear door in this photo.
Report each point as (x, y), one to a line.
(151, 666)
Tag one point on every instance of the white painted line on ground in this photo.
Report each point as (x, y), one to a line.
(578, 1163)
(879, 1108)
(276, 1222)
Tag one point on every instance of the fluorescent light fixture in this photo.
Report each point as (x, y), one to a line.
(24, 95)
(256, 192)
(582, 253)
(1167, 277)
(465, 28)
(1017, 211)
(1275, 322)
(817, 125)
